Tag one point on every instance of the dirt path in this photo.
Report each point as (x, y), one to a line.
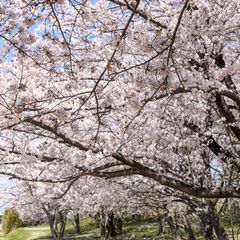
(2, 236)
(37, 232)
(35, 235)
(1, 233)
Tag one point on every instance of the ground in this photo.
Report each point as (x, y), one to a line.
(138, 229)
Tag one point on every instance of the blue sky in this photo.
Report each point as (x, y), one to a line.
(5, 187)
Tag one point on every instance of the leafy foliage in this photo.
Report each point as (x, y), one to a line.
(11, 220)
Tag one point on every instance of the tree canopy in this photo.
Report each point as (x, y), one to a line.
(115, 89)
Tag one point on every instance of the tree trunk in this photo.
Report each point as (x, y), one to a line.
(191, 235)
(207, 228)
(110, 225)
(51, 220)
(57, 223)
(215, 219)
(160, 224)
(56, 234)
(119, 225)
(102, 225)
(62, 223)
(173, 227)
(77, 223)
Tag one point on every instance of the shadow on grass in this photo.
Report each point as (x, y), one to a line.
(44, 238)
(73, 237)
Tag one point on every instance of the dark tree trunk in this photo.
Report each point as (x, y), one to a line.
(97, 218)
(110, 225)
(119, 225)
(57, 223)
(173, 227)
(215, 219)
(160, 224)
(62, 223)
(77, 223)
(191, 234)
(51, 220)
(207, 227)
(102, 224)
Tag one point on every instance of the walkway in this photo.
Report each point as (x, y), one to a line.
(1, 233)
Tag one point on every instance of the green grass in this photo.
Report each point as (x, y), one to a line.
(2, 237)
(88, 226)
(132, 229)
(26, 233)
(141, 228)
(19, 234)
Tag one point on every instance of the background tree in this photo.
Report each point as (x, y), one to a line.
(11, 220)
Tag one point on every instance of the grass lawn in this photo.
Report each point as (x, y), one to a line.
(88, 228)
(27, 233)
(133, 229)
(2, 237)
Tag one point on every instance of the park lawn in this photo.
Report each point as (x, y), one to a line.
(88, 228)
(2, 237)
(27, 233)
(18, 234)
(141, 228)
(133, 229)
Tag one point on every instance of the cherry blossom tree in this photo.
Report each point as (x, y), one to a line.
(88, 196)
(120, 88)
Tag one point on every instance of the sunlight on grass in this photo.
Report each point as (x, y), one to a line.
(132, 229)
(19, 234)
